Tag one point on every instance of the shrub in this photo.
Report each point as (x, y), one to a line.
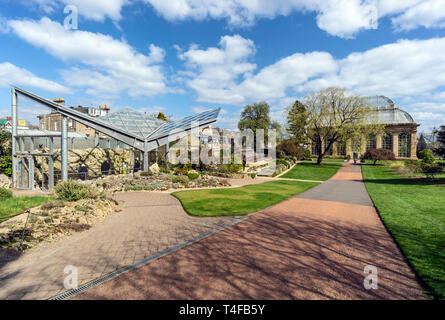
(253, 175)
(181, 171)
(348, 157)
(72, 190)
(307, 154)
(283, 162)
(6, 165)
(180, 179)
(192, 175)
(412, 166)
(427, 156)
(430, 170)
(291, 148)
(5, 193)
(379, 154)
(52, 204)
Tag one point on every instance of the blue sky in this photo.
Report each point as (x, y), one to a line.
(185, 56)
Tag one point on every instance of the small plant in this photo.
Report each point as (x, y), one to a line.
(413, 166)
(427, 156)
(430, 170)
(5, 193)
(253, 175)
(283, 162)
(192, 175)
(84, 209)
(52, 204)
(180, 179)
(72, 190)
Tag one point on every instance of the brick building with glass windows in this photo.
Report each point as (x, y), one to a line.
(400, 133)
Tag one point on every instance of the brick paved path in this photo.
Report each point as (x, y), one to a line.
(313, 246)
(149, 223)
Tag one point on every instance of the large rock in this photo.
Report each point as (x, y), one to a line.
(153, 168)
(5, 181)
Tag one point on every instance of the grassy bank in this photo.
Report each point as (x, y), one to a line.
(413, 211)
(13, 206)
(239, 201)
(312, 171)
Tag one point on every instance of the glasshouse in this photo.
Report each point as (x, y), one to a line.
(400, 134)
(109, 142)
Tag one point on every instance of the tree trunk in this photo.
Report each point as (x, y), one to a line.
(320, 158)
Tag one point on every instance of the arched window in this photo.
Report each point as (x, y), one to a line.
(387, 141)
(404, 145)
(371, 143)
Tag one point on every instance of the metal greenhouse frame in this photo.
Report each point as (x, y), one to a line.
(160, 136)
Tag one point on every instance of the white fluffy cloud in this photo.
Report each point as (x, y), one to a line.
(11, 75)
(96, 10)
(225, 75)
(407, 67)
(428, 14)
(409, 70)
(342, 18)
(215, 70)
(113, 65)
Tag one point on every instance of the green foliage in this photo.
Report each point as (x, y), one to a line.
(146, 174)
(297, 121)
(5, 143)
(255, 117)
(428, 166)
(192, 175)
(334, 114)
(5, 193)
(427, 156)
(6, 165)
(180, 179)
(72, 190)
(307, 154)
(162, 116)
(430, 170)
(283, 162)
(253, 175)
(231, 168)
(379, 154)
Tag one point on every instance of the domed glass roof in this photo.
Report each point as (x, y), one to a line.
(394, 116)
(387, 113)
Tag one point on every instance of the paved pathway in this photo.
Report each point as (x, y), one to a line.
(313, 246)
(150, 222)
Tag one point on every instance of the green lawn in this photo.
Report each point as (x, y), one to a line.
(330, 159)
(239, 201)
(13, 206)
(414, 213)
(312, 171)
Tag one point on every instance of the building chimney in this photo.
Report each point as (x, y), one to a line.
(59, 101)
